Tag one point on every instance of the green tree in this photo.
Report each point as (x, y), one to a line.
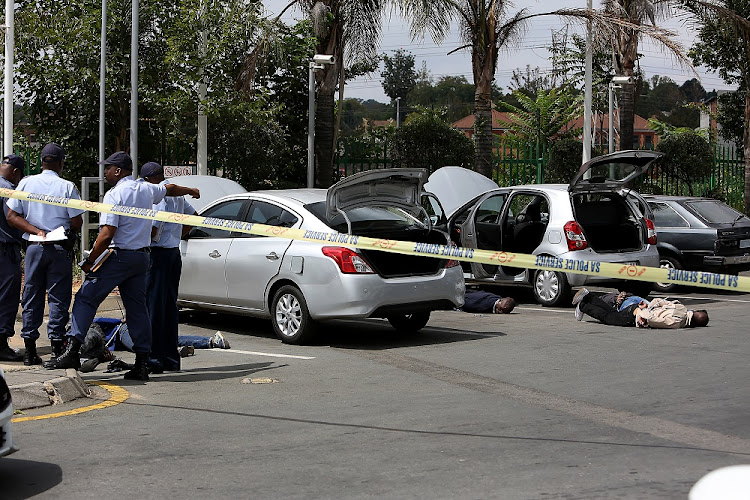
(564, 161)
(731, 117)
(399, 76)
(545, 117)
(687, 157)
(428, 141)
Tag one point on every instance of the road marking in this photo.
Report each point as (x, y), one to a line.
(117, 395)
(658, 427)
(268, 354)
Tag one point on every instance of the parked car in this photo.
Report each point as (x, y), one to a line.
(211, 188)
(699, 234)
(595, 218)
(299, 283)
(6, 414)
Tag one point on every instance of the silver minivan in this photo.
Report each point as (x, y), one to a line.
(596, 217)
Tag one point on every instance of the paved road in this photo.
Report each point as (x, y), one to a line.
(530, 405)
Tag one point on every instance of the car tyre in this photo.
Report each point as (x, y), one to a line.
(551, 288)
(409, 323)
(667, 262)
(290, 317)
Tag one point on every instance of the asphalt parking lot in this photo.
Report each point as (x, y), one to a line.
(528, 405)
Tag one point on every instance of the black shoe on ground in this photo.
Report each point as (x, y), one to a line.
(7, 353)
(140, 368)
(58, 347)
(70, 358)
(30, 357)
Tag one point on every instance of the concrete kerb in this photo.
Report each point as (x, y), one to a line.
(34, 387)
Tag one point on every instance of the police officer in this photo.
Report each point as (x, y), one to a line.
(127, 241)
(11, 171)
(163, 278)
(48, 266)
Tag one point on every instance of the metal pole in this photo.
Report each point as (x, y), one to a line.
(134, 89)
(202, 158)
(8, 108)
(611, 131)
(311, 127)
(587, 99)
(102, 86)
(398, 112)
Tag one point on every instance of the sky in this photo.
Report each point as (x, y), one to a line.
(530, 49)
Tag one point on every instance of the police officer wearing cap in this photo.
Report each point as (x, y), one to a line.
(163, 278)
(11, 171)
(126, 241)
(48, 265)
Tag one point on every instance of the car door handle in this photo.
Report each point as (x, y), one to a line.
(215, 254)
(272, 256)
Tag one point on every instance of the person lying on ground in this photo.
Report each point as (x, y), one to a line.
(636, 311)
(187, 344)
(479, 301)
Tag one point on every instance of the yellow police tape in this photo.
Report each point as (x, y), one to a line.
(589, 267)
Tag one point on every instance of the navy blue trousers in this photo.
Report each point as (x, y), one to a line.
(125, 269)
(10, 287)
(479, 301)
(48, 270)
(162, 283)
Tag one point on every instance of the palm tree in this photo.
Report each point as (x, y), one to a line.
(348, 30)
(486, 28)
(625, 52)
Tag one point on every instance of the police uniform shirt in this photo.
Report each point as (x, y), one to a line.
(46, 217)
(168, 234)
(132, 233)
(8, 234)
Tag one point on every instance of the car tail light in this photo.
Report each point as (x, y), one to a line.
(651, 231)
(574, 235)
(349, 261)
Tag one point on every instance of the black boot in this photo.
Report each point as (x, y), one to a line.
(140, 368)
(7, 353)
(29, 357)
(58, 347)
(69, 358)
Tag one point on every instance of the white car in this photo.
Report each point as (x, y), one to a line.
(595, 218)
(6, 414)
(300, 283)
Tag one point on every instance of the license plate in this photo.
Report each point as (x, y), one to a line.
(744, 243)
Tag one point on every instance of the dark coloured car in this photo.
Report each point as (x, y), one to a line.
(700, 234)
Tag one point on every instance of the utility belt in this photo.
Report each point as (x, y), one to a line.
(142, 249)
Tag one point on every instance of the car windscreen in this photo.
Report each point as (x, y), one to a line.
(366, 219)
(716, 212)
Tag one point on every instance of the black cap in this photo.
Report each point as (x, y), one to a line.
(119, 159)
(52, 152)
(151, 169)
(15, 161)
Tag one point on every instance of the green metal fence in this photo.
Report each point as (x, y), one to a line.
(360, 154)
(513, 165)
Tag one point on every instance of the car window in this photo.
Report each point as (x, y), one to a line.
(715, 211)
(666, 216)
(231, 210)
(528, 208)
(433, 208)
(262, 212)
(489, 210)
(366, 220)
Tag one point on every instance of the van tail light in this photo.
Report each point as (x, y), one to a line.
(574, 236)
(453, 262)
(651, 231)
(349, 261)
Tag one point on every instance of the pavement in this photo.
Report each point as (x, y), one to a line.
(35, 386)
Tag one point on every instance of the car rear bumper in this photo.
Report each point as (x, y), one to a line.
(648, 258)
(369, 295)
(717, 262)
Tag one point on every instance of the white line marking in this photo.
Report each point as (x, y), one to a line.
(254, 353)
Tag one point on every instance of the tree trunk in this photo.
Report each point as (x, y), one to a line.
(627, 116)
(483, 128)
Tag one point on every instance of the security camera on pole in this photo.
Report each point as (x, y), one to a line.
(318, 62)
(616, 83)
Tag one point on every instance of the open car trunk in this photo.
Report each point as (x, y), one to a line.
(392, 265)
(608, 222)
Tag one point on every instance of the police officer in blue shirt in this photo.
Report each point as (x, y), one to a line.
(11, 171)
(48, 265)
(163, 278)
(126, 239)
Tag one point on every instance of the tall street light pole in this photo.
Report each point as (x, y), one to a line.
(133, 89)
(8, 103)
(318, 62)
(102, 84)
(398, 112)
(587, 94)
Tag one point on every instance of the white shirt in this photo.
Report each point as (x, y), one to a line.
(132, 196)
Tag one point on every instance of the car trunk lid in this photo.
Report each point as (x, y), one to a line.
(612, 172)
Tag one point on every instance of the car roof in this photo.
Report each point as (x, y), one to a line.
(664, 197)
